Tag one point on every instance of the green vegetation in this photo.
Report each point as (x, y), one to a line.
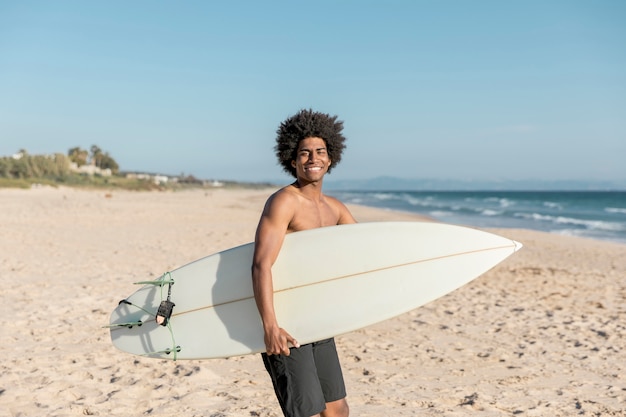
(90, 169)
(23, 169)
(24, 166)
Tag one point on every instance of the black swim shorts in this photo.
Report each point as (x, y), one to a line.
(307, 379)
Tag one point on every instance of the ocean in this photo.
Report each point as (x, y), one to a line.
(594, 214)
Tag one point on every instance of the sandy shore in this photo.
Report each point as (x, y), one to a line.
(542, 334)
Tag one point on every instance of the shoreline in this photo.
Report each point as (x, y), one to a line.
(541, 334)
(368, 213)
(576, 214)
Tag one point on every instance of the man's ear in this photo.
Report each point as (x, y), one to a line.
(293, 164)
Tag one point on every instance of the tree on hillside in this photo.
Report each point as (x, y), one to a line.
(78, 156)
(20, 168)
(96, 156)
(107, 162)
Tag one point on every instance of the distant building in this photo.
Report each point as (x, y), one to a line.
(160, 179)
(90, 170)
(156, 178)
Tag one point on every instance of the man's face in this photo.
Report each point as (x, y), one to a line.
(312, 160)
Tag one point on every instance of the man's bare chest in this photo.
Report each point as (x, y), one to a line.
(311, 216)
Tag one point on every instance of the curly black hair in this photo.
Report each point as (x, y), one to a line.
(308, 124)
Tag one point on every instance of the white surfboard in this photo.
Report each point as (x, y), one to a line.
(327, 282)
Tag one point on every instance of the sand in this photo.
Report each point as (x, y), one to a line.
(542, 334)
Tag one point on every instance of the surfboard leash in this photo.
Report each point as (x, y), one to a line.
(167, 306)
(129, 324)
(162, 316)
(165, 312)
(174, 349)
(160, 282)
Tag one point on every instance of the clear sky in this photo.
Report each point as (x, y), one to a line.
(427, 89)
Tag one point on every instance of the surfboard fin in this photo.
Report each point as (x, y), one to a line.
(166, 278)
(166, 351)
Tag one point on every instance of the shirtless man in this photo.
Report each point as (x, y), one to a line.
(307, 379)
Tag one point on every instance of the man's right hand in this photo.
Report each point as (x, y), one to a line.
(277, 341)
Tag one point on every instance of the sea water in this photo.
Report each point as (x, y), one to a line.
(598, 215)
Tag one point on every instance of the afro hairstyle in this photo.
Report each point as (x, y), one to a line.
(308, 124)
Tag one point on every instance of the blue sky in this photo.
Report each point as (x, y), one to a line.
(427, 89)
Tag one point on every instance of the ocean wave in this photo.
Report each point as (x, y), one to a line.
(588, 224)
(600, 216)
(568, 232)
(384, 196)
(589, 234)
(552, 205)
(438, 214)
(489, 212)
(502, 202)
(420, 202)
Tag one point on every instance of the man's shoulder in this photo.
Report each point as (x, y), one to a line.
(285, 196)
(288, 192)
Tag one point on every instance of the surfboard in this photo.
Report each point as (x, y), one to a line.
(327, 282)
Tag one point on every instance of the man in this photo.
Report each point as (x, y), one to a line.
(307, 379)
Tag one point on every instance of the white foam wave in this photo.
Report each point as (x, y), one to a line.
(552, 205)
(616, 210)
(437, 214)
(418, 201)
(383, 196)
(588, 224)
(568, 232)
(502, 202)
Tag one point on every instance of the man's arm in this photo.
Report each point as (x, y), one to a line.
(269, 238)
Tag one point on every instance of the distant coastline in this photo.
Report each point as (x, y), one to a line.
(128, 184)
(95, 168)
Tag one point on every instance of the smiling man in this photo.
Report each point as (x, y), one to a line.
(307, 379)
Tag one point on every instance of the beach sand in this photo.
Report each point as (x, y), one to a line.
(542, 334)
